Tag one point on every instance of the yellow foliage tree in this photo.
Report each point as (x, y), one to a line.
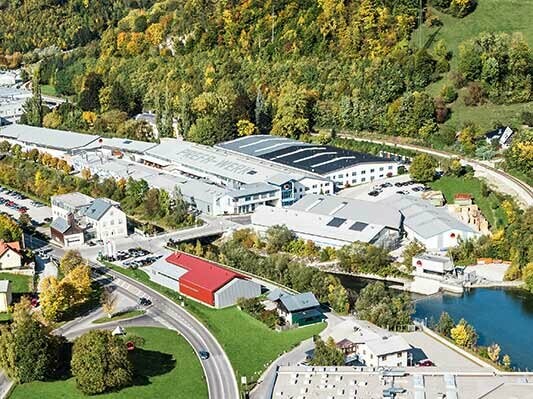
(80, 279)
(463, 334)
(245, 128)
(154, 34)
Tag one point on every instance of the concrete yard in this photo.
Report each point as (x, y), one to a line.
(361, 191)
(490, 272)
(444, 358)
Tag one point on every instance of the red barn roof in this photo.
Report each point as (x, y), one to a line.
(202, 273)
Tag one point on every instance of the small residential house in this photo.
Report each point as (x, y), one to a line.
(67, 232)
(300, 309)
(10, 255)
(107, 219)
(502, 135)
(463, 199)
(5, 295)
(369, 345)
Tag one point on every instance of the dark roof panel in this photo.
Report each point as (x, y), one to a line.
(336, 222)
(358, 226)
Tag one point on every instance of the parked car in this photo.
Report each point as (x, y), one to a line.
(373, 193)
(425, 363)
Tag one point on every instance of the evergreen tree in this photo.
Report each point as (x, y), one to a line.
(33, 108)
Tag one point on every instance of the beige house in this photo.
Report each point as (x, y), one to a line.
(5, 295)
(10, 256)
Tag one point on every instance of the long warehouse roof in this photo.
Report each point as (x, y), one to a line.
(315, 158)
(50, 138)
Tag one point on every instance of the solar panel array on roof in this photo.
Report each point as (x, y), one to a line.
(336, 222)
(314, 158)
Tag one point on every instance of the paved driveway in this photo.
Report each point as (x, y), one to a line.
(445, 358)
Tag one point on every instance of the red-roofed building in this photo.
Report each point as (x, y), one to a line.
(10, 256)
(203, 280)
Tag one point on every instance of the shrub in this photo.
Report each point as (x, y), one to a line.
(448, 94)
(475, 94)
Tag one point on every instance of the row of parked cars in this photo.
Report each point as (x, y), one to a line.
(377, 190)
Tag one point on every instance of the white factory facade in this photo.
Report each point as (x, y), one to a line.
(229, 178)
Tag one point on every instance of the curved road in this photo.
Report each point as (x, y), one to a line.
(221, 381)
(523, 191)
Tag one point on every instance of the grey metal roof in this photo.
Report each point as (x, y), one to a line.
(352, 209)
(217, 161)
(50, 138)
(315, 158)
(60, 225)
(388, 345)
(252, 189)
(127, 145)
(72, 200)
(98, 209)
(276, 294)
(423, 218)
(295, 303)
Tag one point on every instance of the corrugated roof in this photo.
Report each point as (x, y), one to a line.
(201, 272)
(352, 209)
(50, 138)
(321, 159)
(423, 218)
(295, 303)
(98, 209)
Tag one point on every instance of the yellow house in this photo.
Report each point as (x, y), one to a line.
(5, 295)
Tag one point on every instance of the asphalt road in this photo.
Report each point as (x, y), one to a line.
(522, 191)
(221, 381)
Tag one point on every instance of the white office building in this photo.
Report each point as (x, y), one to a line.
(107, 219)
(12, 101)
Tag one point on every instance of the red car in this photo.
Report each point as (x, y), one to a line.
(425, 363)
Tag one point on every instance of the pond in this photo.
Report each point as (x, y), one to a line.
(504, 316)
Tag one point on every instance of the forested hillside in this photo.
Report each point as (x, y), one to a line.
(227, 68)
(29, 24)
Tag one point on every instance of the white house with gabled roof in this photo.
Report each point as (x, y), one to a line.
(107, 219)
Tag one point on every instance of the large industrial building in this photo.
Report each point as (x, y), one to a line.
(230, 178)
(435, 227)
(344, 167)
(11, 103)
(202, 280)
(333, 221)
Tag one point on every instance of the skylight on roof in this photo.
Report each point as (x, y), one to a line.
(336, 222)
(358, 226)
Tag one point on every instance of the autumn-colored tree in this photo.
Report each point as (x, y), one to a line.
(70, 260)
(494, 352)
(463, 334)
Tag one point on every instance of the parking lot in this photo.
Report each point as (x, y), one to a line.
(134, 257)
(381, 189)
(15, 204)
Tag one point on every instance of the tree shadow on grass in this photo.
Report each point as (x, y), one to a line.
(148, 364)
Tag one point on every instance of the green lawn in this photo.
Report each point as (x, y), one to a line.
(249, 344)
(489, 16)
(48, 90)
(119, 316)
(19, 284)
(167, 365)
(450, 186)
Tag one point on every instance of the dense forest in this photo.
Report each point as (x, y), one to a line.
(215, 70)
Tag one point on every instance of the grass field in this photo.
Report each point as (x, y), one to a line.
(48, 90)
(167, 368)
(489, 16)
(119, 316)
(19, 284)
(249, 344)
(489, 206)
